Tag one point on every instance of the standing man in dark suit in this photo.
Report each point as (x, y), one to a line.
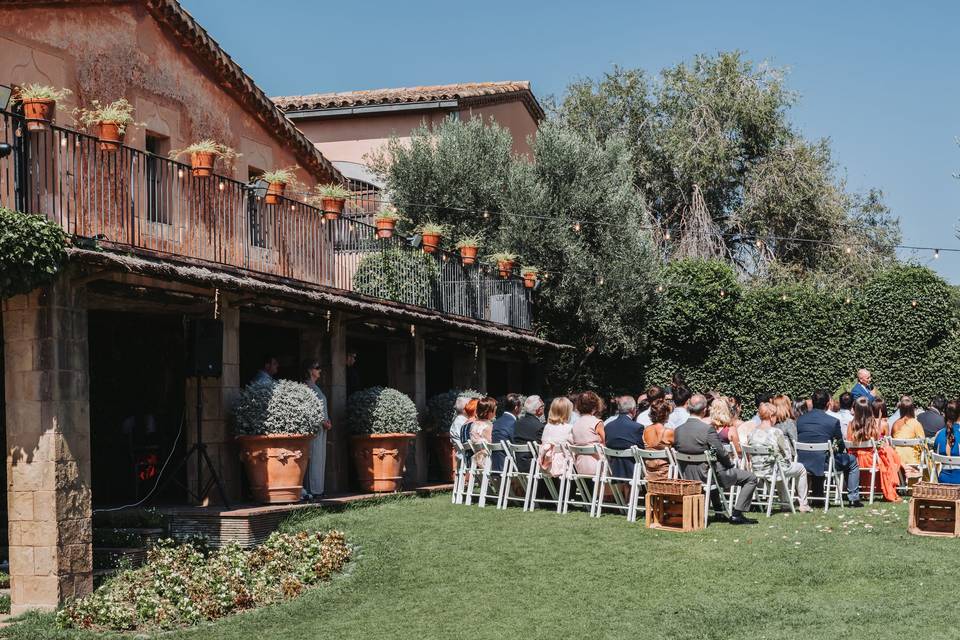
(529, 428)
(503, 427)
(623, 432)
(696, 436)
(817, 426)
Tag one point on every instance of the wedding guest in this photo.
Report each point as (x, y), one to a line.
(529, 428)
(932, 419)
(679, 415)
(947, 442)
(460, 419)
(770, 437)
(864, 386)
(504, 425)
(267, 374)
(481, 429)
(316, 467)
(909, 428)
(623, 433)
(864, 427)
(816, 427)
(657, 437)
(784, 419)
(881, 415)
(722, 420)
(588, 430)
(558, 431)
(845, 414)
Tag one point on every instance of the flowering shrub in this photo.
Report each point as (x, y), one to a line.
(180, 586)
(441, 408)
(284, 407)
(381, 410)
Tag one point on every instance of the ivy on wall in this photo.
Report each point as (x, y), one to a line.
(394, 274)
(32, 250)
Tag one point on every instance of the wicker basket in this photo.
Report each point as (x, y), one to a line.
(936, 490)
(675, 487)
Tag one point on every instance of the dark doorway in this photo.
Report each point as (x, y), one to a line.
(439, 376)
(259, 341)
(136, 405)
(370, 366)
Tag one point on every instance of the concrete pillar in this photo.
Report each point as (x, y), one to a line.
(339, 434)
(418, 366)
(480, 370)
(48, 446)
(219, 397)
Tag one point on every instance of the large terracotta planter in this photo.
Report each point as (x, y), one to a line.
(39, 113)
(201, 164)
(109, 136)
(385, 227)
(379, 460)
(505, 267)
(332, 207)
(275, 465)
(274, 192)
(447, 457)
(431, 242)
(468, 255)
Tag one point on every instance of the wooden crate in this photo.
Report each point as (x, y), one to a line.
(675, 513)
(934, 517)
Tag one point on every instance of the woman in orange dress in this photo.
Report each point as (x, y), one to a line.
(865, 427)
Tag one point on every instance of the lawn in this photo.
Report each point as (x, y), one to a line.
(427, 569)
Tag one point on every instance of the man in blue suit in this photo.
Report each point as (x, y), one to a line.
(503, 427)
(864, 386)
(623, 432)
(816, 426)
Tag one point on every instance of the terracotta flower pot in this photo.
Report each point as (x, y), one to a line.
(379, 460)
(431, 242)
(274, 191)
(332, 207)
(385, 227)
(275, 465)
(39, 113)
(109, 136)
(529, 280)
(505, 267)
(468, 255)
(443, 449)
(201, 164)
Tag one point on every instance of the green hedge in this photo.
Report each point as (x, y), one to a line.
(398, 274)
(32, 250)
(796, 338)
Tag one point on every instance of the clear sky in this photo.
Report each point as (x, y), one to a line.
(878, 78)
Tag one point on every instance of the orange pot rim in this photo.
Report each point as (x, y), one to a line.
(381, 436)
(274, 436)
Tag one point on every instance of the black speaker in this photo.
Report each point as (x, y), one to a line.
(204, 347)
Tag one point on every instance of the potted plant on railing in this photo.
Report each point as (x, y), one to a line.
(505, 263)
(110, 122)
(386, 221)
(204, 154)
(468, 246)
(277, 181)
(430, 235)
(441, 412)
(529, 275)
(332, 197)
(275, 424)
(383, 422)
(39, 104)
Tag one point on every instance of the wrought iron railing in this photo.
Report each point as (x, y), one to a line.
(134, 200)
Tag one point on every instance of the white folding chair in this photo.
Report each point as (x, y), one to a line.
(758, 457)
(615, 483)
(513, 473)
(460, 475)
(923, 466)
(584, 485)
(874, 468)
(931, 467)
(711, 483)
(555, 485)
(473, 471)
(941, 462)
(491, 481)
(833, 482)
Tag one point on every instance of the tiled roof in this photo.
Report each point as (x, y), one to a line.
(466, 93)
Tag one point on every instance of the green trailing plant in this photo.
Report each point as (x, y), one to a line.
(285, 407)
(442, 409)
(396, 274)
(470, 241)
(119, 112)
(280, 176)
(182, 585)
(207, 145)
(40, 92)
(32, 251)
(333, 190)
(380, 410)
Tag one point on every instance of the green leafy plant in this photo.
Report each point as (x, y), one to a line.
(470, 241)
(40, 92)
(528, 270)
(380, 410)
(120, 112)
(207, 145)
(280, 176)
(502, 256)
(32, 250)
(388, 213)
(432, 228)
(441, 408)
(396, 274)
(333, 190)
(285, 407)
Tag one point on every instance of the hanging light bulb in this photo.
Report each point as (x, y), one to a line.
(759, 243)
(783, 297)
(659, 288)
(723, 293)
(486, 214)
(847, 301)
(576, 226)
(847, 248)
(179, 173)
(63, 142)
(914, 304)
(936, 253)
(445, 257)
(666, 234)
(221, 186)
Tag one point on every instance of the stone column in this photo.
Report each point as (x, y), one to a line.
(418, 373)
(48, 446)
(339, 434)
(219, 397)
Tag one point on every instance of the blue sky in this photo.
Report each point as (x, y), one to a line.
(878, 78)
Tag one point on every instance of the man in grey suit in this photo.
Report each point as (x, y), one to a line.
(696, 436)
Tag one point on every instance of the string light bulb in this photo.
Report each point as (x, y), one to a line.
(659, 288)
(759, 243)
(600, 281)
(63, 142)
(221, 186)
(783, 297)
(179, 173)
(847, 248)
(936, 253)
(913, 304)
(723, 293)
(847, 301)
(576, 226)
(486, 214)
(666, 234)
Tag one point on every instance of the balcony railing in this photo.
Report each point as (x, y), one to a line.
(134, 200)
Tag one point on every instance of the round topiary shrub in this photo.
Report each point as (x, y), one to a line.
(32, 249)
(441, 408)
(400, 275)
(286, 407)
(380, 410)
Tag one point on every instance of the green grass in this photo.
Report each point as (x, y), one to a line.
(426, 569)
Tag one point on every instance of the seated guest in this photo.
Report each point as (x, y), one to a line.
(504, 425)
(909, 428)
(932, 419)
(623, 433)
(573, 398)
(553, 460)
(696, 436)
(759, 399)
(529, 428)
(460, 419)
(845, 415)
(773, 439)
(679, 415)
(470, 413)
(657, 437)
(722, 420)
(947, 442)
(654, 393)
(881, 415)
(588, 430)
(800, 407)
(815, 426)
(784, 419)
(481, 429)
(864, 427)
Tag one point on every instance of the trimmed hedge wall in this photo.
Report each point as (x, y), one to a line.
(799, 337)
